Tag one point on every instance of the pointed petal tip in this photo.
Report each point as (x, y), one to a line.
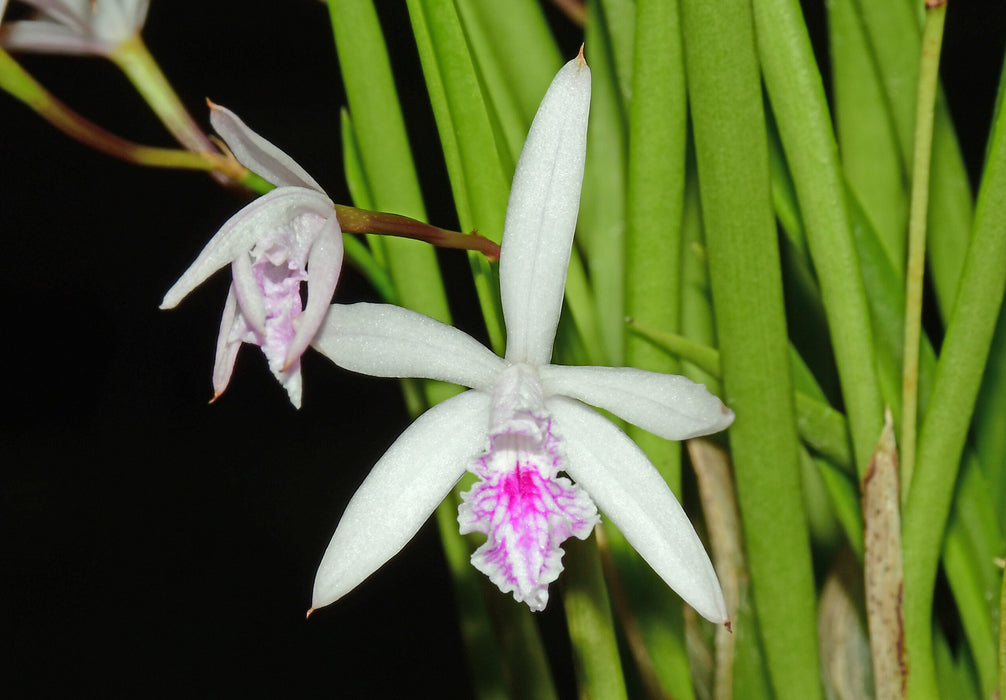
(329, 586)
(581, 61)
(310, 612)
(726, 624)
(172, 298)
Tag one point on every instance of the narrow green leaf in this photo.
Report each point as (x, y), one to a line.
(886, 296)
(508, 122)
(474, 157)
(871, 157)
(971, 572)
(522, 45)
(384, 150)
(1002, 635)
(944, 428)
(619, 21)
(656, 182)
(990, 438)
(732, 152)
(588, 617)
(798, 102)
(601, 225)
(696, 307)
(894, 31)
(487, 678)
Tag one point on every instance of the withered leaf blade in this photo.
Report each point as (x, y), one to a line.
(882, 564)
(841, 631)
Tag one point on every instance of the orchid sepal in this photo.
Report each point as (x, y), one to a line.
(541, 216)
(401, 491)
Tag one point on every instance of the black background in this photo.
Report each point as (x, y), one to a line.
(152, 544)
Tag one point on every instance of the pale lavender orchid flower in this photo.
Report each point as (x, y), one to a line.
(288, 236)
(524, 420)
(95, 27)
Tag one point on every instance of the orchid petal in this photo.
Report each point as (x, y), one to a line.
(323, 266)
(401, 492)
(388, 341)
(628, 489)
(668, 405)
(41, 36)
(541, 216)
(257, 154)
(117, 21)
(228, 343)
(73, 13)
(139, 12)
(246, 290)
(236, 237)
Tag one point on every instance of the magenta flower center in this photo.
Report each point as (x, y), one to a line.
(521, 504)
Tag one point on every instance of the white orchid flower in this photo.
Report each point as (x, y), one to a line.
(524, 420)
(288, 236)
(96, 27)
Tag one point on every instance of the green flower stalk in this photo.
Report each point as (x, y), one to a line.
(108, 28)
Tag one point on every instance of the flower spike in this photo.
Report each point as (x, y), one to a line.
(523, 424)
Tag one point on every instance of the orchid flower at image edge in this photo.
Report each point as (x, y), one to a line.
(283, 238)
(524, 420)
(75, 26)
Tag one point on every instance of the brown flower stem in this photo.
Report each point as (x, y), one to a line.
(354, 220)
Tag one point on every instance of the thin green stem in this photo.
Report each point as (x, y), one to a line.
(21, 85)
(932, 40)
(133, 58)
(894, 35)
